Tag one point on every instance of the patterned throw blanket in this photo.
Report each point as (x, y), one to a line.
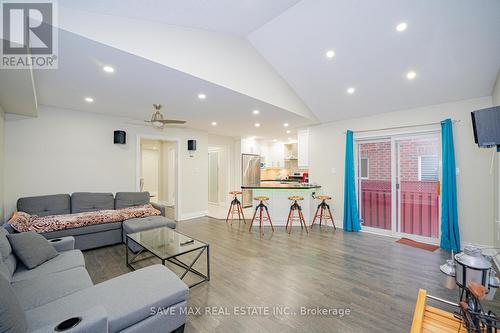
(23, 222)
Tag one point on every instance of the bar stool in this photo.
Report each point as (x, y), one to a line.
(260, 208)
(323, 211)
(235, 207)
(291, 215)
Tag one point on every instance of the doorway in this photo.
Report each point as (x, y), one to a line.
(398, 179)
(158, 169)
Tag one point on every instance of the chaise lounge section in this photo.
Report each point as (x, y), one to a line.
(61, 288)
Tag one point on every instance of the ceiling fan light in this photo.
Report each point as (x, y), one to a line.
(157, 124)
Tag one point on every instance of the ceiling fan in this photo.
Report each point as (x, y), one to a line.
(158, 121)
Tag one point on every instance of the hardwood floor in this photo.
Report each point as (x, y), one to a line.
(374, 277)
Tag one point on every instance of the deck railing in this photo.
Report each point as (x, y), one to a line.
(419, 206)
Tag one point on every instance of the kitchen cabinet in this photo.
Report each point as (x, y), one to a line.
(273, 155)
(303, 148)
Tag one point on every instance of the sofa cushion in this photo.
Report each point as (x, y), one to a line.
(11, 263)
(64, 261)
(33, 293)
(45, 205)
(91, 202)
(12, 316)
(128, 298)
(5, 248)
(129, 199)
(4, 270)
(31, 248)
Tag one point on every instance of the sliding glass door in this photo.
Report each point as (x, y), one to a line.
(375, 184)
(398, 184)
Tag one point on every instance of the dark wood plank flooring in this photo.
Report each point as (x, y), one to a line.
(374, 277)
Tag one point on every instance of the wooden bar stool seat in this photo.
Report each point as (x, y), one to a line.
(323, 211)
(295, 207)
(261, 217)
(235, 207)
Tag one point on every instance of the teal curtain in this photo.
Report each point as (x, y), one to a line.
(450, 235)
(351, 216)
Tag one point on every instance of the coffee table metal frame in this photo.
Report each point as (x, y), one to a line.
(174, 258)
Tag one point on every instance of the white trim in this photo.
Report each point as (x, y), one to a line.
(194, 215)
(367, 168)
(178, 169)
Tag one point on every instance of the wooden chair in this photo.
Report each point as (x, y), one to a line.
(430, 319)
(235, 208)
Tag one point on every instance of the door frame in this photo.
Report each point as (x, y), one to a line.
(138, 166)
(395, 194)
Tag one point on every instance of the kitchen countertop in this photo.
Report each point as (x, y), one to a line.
(291, 186)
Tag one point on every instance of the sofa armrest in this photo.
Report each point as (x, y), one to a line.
(94, 320)
(63, 243)
(160, 207)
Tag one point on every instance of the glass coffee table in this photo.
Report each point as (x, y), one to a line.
(168, 245)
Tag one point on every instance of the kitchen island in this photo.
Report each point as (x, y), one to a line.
(279, 205)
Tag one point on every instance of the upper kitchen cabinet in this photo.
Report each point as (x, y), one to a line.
(303, 148)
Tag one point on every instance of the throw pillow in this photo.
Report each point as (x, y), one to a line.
(12, 316)
(20, 221)
(5, 248)
(31, 248)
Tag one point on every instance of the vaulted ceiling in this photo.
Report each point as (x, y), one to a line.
(268, 55)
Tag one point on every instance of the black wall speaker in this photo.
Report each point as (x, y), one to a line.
(191, 145)
(120, 137)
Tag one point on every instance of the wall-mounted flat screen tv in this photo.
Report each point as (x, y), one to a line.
(486, 124)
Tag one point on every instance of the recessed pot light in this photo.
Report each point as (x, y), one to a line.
(411, 75)
(214, 123)
(89, 99)
(330, 54)
(108, 69)
(288, 132)
(255, 111)
(285, 124)
(257, 125)
(202, 96)
(401, 26)
(351, 90)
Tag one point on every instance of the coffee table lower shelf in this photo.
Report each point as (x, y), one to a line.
(176, 261)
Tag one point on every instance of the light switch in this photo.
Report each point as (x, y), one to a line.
(334, 171)
(457, 171)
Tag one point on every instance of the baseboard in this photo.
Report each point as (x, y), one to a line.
(194, 215)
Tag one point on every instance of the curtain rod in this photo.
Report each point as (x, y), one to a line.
(399, 127)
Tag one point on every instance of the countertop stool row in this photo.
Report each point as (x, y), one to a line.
(261, 214)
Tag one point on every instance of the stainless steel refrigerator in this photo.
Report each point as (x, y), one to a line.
(250, 176)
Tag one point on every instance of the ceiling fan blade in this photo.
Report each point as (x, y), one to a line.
(171, 121)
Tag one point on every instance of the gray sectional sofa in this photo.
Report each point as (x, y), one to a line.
(40, 299)
(94, 235)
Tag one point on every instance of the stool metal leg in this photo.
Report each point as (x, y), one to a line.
(269, 218)
(253, 219)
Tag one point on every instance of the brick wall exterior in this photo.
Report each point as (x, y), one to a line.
(379, 157)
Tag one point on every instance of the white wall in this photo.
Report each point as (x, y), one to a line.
(64, 151)
(496, 91)
(230, 168)
(496, 211)
(2, 164)
(475, 182)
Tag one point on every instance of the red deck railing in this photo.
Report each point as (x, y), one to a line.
(419, 206)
